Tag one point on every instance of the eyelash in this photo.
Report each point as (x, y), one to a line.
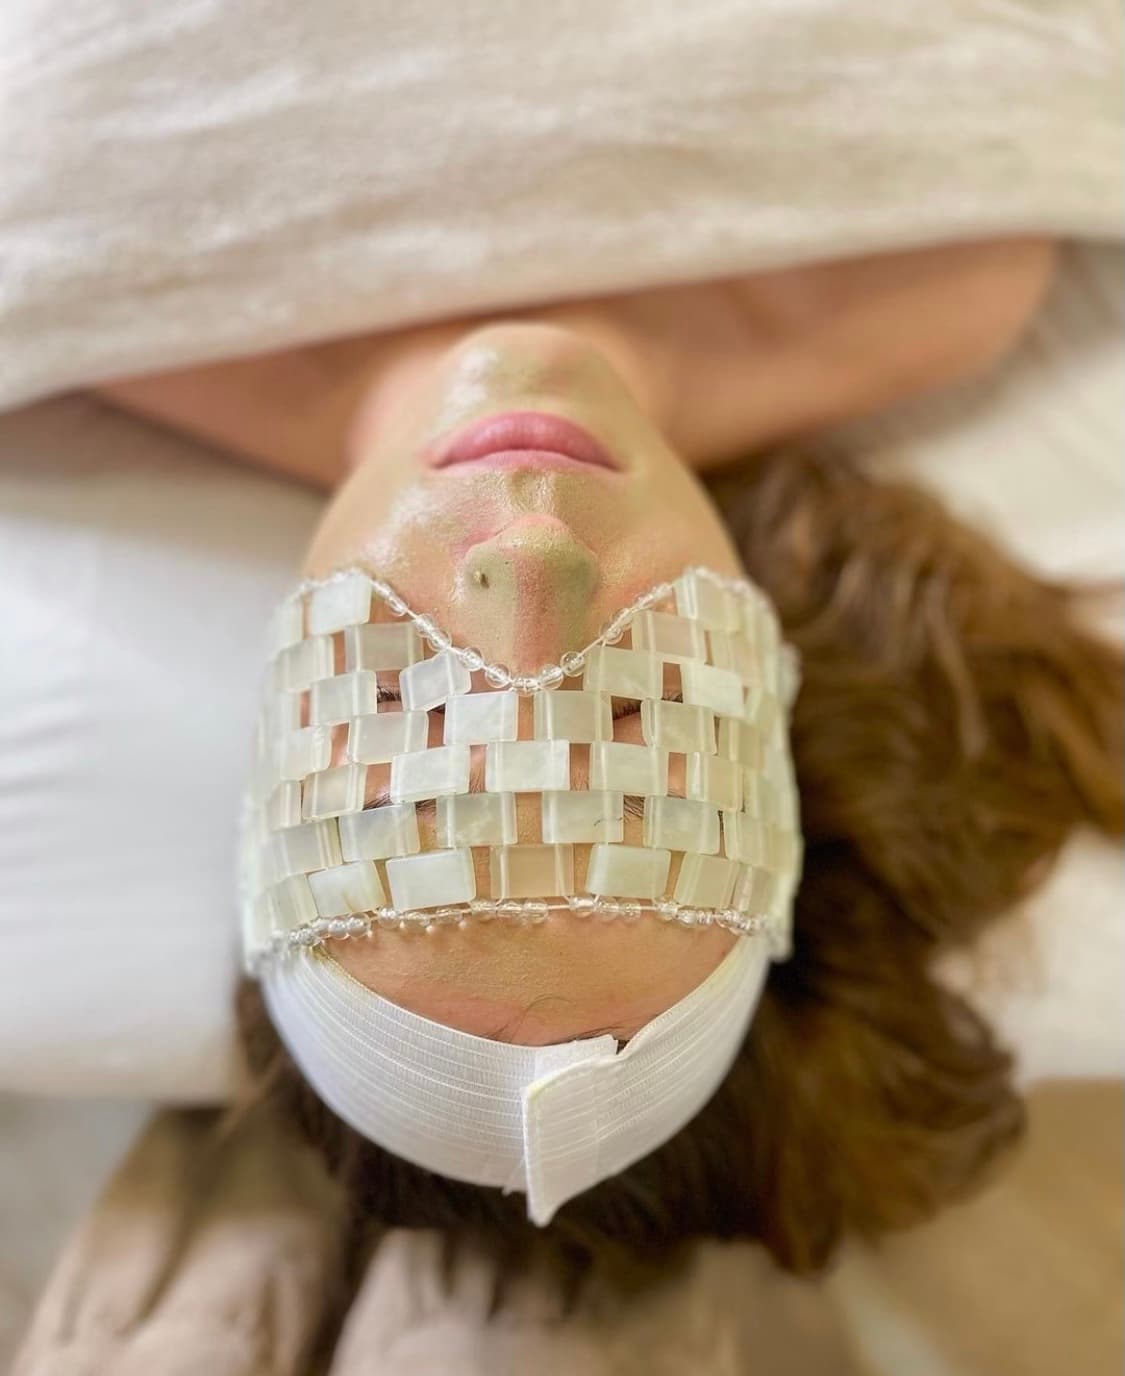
(624, 707)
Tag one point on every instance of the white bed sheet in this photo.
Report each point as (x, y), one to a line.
(136, 572)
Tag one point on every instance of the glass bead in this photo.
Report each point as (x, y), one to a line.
(431, 682)
(497, 675)
(580, 816)
(679, 727)
(526, 766)
(298, 666)
(476, 819)
(711, 779)
(706, 881)
(627, 871)
(615, 630)
(623, 673)
(525, 683)
(532, 871)
(430, 773)
(477, 718)
(673, 638)
(354, 888)
(679, 824)
(335, 700)
(576, 717)
(382, 647)
(338, 603)
(472, 659)
(379, 832)
(705, 686)
(572, 663)
(304, 848)
(550, 676)
(333, 791)
(654, 595)
(378, 739)
(432, 879)
(305, 752)
(622, 768)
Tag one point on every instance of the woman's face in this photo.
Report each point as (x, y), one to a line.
(525, 556)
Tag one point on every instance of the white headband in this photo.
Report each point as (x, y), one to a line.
(318, 865)
(551, 1120)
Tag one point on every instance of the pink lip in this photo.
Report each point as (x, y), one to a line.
(524, 439)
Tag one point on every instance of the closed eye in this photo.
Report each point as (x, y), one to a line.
(629, 707)
(393, 695)
(622, 707)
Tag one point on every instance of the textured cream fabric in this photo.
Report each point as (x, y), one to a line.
(227, 1271)
(182, 182)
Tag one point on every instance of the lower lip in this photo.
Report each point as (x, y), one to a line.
(525, 439)
(540, 459)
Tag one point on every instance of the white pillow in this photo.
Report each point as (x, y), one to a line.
(192, 180)
(136, 574)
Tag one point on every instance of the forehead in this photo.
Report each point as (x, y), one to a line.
(502, 793)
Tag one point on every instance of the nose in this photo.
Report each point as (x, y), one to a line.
(527, 593)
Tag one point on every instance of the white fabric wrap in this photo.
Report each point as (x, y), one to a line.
(282, 173)
(550, 1121)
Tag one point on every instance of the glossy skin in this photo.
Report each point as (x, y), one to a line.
(525, 563)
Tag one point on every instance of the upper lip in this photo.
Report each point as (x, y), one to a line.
(523, 430)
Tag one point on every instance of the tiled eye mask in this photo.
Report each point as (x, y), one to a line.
(699, 660)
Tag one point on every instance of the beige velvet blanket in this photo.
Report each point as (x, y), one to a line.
(231, 1271)
(188, 181)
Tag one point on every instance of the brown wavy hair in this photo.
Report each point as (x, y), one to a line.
(957, 720)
